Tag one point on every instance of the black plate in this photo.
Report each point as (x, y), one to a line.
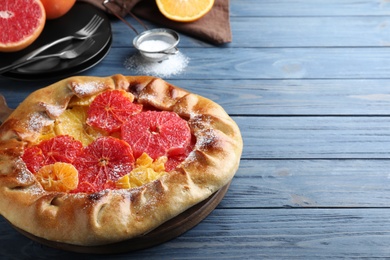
(74, 20)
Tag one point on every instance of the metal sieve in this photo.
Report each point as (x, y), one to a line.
(167, 36)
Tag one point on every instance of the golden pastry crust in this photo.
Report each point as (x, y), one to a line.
(114, 215)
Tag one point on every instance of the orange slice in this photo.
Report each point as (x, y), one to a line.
(81, 101)
(72, 122)
(184, 11)
(46, 134)
(58, 177)
(21, 22)
(146, 170)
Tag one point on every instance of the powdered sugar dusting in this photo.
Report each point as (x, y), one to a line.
(53, 110)
(25, 175)
(38, 120)
(87, 88)
(205, 138)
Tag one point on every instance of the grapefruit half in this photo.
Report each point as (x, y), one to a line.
(21, 22)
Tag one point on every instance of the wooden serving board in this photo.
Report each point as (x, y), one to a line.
(167, 231)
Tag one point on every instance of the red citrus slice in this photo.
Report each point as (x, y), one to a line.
(62, 148)
(102, 163)
(21, 22)
(157, 133)
(109, 110)
(174, 161)
(33, 158)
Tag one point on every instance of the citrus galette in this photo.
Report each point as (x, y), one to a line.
(91, 161)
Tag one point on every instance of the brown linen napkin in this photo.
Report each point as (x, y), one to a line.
(214, 27)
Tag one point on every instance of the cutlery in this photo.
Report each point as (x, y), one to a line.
(87, 31)
(65, 54)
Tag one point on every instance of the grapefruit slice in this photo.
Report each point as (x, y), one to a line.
(157, 133)
(58, 177)
(21, 22)
(174, 161)
(109, 110)
(102, 163)
(62, 148)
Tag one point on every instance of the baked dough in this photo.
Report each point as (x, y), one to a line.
(114, 215)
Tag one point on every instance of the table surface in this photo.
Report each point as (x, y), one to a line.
(308, 83)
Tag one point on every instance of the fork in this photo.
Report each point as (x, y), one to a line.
(65, 54)
(82, 34)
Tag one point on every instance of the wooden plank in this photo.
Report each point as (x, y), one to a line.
(257, 233)
(360, 31)
(289, 234)
(266, 63)
(309, 183)
(267, 97)
(315, 137)
(308, 8)
(355, 31)
(295, 97)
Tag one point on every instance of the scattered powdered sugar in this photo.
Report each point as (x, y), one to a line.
(173, 65)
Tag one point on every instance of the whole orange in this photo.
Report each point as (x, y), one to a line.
(57, 8)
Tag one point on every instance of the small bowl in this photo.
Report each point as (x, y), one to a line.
(157, 44)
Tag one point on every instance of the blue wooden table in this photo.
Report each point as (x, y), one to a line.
(308, 83)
